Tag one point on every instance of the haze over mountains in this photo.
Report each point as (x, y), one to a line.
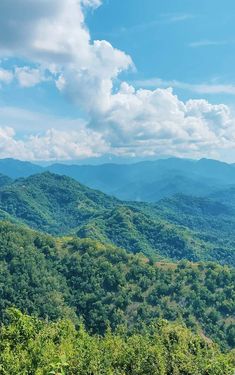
(144, 181)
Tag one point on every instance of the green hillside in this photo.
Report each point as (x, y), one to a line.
(226, 196)
(73, 278)
(209, 220)
(52, 203)
(136, 231)
(5, 180)
(60, 205)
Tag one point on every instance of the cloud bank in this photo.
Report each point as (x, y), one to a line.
(52, 36)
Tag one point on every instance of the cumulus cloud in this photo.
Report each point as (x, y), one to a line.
(28, 77)
(48, 31)
(156, 122)
(52, 145)
(5, 76)
(52, 34)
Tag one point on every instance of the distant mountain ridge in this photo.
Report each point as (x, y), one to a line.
(147, 181)
(16, 168)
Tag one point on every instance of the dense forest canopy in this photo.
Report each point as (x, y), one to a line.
(69, 277)
(31, 346)
(96, 276)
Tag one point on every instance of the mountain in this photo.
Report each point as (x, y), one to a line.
(57, 278)
(64, 280)
(137, 232)
(16, 168)
(225, 196)
(60, 205)
(144, 181)
(165, 186)
(151, 181)
(210, 220)
(197, 213)
(52, 203)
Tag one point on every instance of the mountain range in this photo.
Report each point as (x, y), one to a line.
(181, 227)
(147, 181)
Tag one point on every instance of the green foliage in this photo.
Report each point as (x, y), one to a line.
(65, 277)
(122, 299)
(209, 221)
(31, 346)
(59, 205)
(52, 203)
(5, 180)
(133, 230)
(28, 278)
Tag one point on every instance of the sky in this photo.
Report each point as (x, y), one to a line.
(115, 79)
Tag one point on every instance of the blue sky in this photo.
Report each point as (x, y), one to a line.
(184, 40)
(132, 79)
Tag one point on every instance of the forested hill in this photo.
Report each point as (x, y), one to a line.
(5, 180)
(71, 278)
(51, 202)
(211, 218)
(60, 205)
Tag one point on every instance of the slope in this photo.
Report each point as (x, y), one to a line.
(52, 203)
(5, 180)
(65, 277)
(210, 220)
(60, 205)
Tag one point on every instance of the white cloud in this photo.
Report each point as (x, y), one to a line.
(52, 145)
(91, 3)
(121, 120)
(46, 137)
(29, 77)
(5, 76)
(60, 42)
(48, 31)
(91, 87)
(157, 122)
(131, 123)
(25, 76)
